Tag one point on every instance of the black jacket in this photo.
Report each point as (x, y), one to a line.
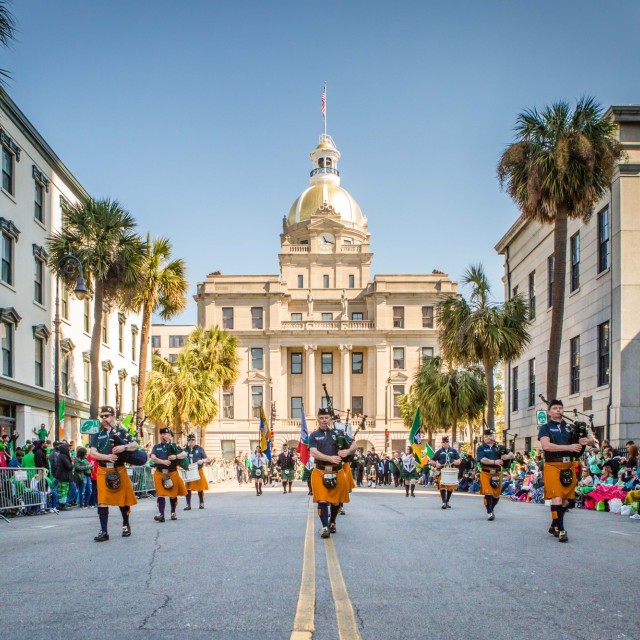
(40, 457)
(63, 471)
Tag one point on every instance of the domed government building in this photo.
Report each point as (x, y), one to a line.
(323, 320)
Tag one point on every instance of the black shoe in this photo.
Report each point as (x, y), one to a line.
(554, 531)
(158, 518)
(343, 512)
(202, 503)
(126, 530)
(187, 508)
(102, 536)
(491, 517)
(448, 506)
(562, 536)
(332, 527)
(325, 532)
(444, 505)
(174, 516)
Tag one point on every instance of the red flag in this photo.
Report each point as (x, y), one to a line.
(303, 444)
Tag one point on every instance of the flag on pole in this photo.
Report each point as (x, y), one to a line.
(265, 439)
(127, 424)
(303, 444)
(323, 103)
(61, 410)
(428, 451)
(415, 441)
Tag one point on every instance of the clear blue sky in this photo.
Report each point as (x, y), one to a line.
(199, 115)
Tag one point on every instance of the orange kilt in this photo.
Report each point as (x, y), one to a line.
(346, 467)
(178, 488)
(553, 488)
(122, 497)
(337, 495)
(198, 485)
(485, 484)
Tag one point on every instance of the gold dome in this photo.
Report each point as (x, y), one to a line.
(316, 195)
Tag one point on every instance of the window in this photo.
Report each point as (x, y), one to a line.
(38, 280)
(256, 401)
(256, 358)
(134, 394)
(398, 357)
(398, 390)
(532, 382)
(227, 404)
(426, 352)
(86, 324)
(64, 300)
(7, 258)
(357, 405)
(87, 379)
(121, 335)
(575, 261)
(296, 363)
(228, 449)
(39, 362)
(514, 292)
(177, 342)
(105, 386)
(352, 281)
(357, 362)
(357, 316)
(300, 281)
(134, 340)
(532, 295)
(256, 317)
(6, 334)
(398, 317)
(172, 358)
(155, 342)
(514, 389)
(105, 328)
(427, 317)
(296, 317)
(38, 201)
(227, 318)
(603, 354)
(65, 359)
(574, 355)
(603, 240)
(325, 281)
(327, 317)
(550, 267)
(327, 362)
(8, 160)
(296, 407)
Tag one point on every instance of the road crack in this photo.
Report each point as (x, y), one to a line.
(167, 600)
(156, 548)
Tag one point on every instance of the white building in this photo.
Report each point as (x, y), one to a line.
(35, 187)
(600, 357)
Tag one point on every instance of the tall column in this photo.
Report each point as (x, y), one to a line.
(310, 399)
(345, 400)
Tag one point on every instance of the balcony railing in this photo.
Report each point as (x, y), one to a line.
(351, 248)
(294, 424)
(328, 325)
(299, 248)
(325, 170)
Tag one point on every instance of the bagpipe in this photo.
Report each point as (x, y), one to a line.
(173, 450)
(343, 439)
(137, 458)
(579, 427)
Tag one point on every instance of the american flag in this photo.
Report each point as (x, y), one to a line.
(323, 103)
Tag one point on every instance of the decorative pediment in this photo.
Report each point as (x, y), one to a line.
(7, 140)
(122, 374)
(40, 252)
(134, 329)
(107, 365)
(9, 228)
(41, 331)
(66, 345)
(106, 307)
(9, 314)
(86, 356)
(121, 317)
(134, 380)
(41, 178)
(398, 378)
(256, 376)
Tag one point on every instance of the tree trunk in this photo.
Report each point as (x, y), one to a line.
(142, 359)
(96, 340)
(557, 300)
(488, 374)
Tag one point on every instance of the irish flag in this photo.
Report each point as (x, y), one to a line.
(303, 444)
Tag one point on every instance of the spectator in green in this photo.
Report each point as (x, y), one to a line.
(29, 461)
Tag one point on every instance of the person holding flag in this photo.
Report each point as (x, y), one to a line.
(258, 465)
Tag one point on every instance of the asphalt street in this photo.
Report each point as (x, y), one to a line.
(397, 568)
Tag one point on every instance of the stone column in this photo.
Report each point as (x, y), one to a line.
(310, 400)
(345, 398)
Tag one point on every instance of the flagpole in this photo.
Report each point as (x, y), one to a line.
(325, 109)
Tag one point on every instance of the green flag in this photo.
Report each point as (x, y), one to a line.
(414, 437)
(127, 424)
(61, 411)
(428, 451)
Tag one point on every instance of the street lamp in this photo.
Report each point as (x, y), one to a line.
(68, 266)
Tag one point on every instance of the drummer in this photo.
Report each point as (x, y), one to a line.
(197, 456)
(166, 478)
(445, 457)
(258, 469)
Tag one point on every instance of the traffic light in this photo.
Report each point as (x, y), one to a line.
(386, 438)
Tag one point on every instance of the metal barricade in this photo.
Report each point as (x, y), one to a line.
(142, 480)
(23, 490)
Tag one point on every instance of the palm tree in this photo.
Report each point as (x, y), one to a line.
(180, 393)
(101, 234)
(162, 290)
(561, 164)
(215, 351)
(446, 394)
(7, 34)
(479, 331)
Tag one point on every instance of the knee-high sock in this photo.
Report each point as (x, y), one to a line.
(174, 504)
(413, 488)
(323, 512)
(335, 509)
(449, 495)
(188, 497)
(125, 511)
(557, 516)
(495, 502)
(309, 484)
(201, 495)
(488, 503)
(161, 505)
(103, 514)
(406, 489)
(443, 493)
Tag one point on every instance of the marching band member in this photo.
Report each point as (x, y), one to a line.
(491, 471)
(445, 456)
(166, 478)
(287, 467)
(409, 472)
(258, 465)
(559, 474)
(114, 485)
(197, 455)
(329, 483)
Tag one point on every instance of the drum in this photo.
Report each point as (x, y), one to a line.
(191, 474)
(449, 477)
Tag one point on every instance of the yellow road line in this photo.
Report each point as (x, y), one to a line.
(347, 627)
(303, 624)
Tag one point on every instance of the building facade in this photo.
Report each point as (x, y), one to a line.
(36, 186)
(322, 320)
(600, 357)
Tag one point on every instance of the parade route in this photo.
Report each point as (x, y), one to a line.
(250, 566)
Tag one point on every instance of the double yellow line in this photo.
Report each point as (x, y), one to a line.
(303, 624)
